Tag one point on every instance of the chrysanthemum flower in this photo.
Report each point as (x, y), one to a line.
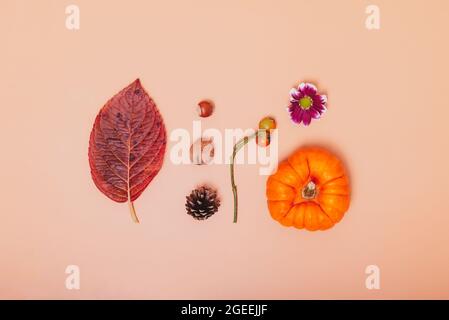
(306, 104)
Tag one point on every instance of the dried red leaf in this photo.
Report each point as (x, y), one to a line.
(127, 145)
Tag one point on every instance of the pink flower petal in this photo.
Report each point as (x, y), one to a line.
(315, 113)
(318, 103)
(306, 118)
(295, 95)
(299, 115)
(296, 113)
(307, 89)
(323, 98)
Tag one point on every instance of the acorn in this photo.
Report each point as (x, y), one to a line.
(267, 123)
(263, 136)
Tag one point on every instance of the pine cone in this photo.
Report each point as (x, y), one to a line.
(202, 202)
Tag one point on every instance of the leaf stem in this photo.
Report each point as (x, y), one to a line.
(133, 211)
(239, 145)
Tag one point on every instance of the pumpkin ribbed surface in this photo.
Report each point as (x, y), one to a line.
(310, 190)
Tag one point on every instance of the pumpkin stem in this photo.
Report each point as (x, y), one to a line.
(310, 191)
(239, 145)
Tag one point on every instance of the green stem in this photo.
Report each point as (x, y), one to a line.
(239, 145)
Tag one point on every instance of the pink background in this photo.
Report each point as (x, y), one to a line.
(387, 119)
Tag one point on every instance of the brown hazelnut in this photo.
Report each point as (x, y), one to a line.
(205, 108)
(202, 151)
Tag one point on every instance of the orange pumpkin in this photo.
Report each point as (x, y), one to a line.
(309, 190)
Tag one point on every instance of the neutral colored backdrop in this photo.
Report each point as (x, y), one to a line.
(387, 119)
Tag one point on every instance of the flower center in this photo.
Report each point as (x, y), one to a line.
(306, 102)
(310, 191)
